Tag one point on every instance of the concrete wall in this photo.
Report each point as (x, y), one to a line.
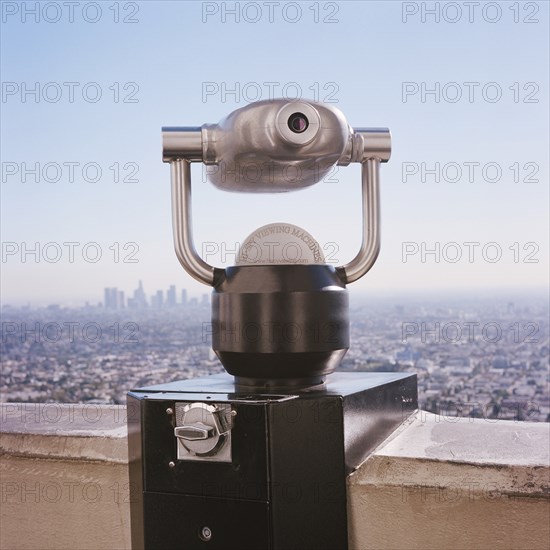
(64, 477)
(435, 483)
(454, 484)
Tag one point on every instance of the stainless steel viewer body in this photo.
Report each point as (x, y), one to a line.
(266, 147)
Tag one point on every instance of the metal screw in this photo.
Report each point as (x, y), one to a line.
(171, 464)
(169, 411)
(205, 534)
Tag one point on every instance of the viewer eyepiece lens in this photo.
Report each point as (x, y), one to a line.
(298, 123)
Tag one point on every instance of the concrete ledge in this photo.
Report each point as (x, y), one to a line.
(441, 482)
(435, 483)
(64, 477)
(54, 430)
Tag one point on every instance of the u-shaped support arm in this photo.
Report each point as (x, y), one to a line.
(371, 146)
(182, 226)
(370, 246)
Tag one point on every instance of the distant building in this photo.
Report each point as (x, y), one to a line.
(184, 297)
(139, 300)
(408, 355)
(157, 300)
(171, 296)
(500, 362)
(139, 295)
(111, 298)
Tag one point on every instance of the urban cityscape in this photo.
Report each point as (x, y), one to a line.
(474, 357)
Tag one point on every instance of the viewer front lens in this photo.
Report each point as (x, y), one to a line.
(298, 123)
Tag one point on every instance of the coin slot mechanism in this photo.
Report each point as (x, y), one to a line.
(203, 431)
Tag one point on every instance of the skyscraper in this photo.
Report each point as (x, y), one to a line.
(157, 300)
(141, 293)
(111, 298)
(139, 299)
(171, 296)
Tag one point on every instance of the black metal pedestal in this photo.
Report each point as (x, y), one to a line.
(283, 482)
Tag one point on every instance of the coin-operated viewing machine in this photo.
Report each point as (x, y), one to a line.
(258, 458)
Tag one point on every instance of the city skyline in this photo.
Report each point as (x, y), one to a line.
(443, 295)
(115, 299)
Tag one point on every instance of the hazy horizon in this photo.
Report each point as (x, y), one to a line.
(445, 296)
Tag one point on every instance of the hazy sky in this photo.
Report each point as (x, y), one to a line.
(103, 89)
